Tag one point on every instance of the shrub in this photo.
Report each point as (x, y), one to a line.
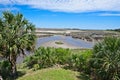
(47, 57)
(80, 61)
(5, 68)
(36, 67)
(30, 61)
(62, 55)
(105, 61)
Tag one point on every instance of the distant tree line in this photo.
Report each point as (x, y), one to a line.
(118, 30)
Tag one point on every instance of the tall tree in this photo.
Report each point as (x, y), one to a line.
(16, 36)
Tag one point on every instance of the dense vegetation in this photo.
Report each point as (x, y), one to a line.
(105, 62)
(16, 36)
(47, 57)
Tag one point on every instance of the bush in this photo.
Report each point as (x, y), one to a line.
(105, 61)
(47, 57)
(30, 61)
(5, 68)
(36, 67)
(80, 61)
(62, 55)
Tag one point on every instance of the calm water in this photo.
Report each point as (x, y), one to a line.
(67, 39)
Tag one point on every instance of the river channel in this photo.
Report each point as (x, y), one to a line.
(68, 39)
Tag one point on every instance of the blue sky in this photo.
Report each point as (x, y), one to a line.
(82, 14)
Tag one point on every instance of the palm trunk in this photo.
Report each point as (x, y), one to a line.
(12, 61)
(13, 69)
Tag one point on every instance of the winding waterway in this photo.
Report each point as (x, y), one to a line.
(68, 39)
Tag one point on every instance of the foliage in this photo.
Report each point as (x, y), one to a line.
(80, 61)
(36, 67)
(16, 36)
(47, 57)
(105, 62)
(5, 68)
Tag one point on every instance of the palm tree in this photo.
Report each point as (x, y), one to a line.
(16, 36)
(106, 59)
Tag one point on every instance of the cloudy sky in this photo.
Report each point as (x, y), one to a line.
(83, 14)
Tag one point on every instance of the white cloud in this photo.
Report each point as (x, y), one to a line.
(69, 5)
(4, 2)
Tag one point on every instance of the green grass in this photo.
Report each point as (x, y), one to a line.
(50, 74)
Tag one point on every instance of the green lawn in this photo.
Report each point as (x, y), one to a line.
(50, 74)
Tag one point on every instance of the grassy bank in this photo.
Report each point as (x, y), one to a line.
(50, 74)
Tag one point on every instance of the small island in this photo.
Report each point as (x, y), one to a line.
(59, 42)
